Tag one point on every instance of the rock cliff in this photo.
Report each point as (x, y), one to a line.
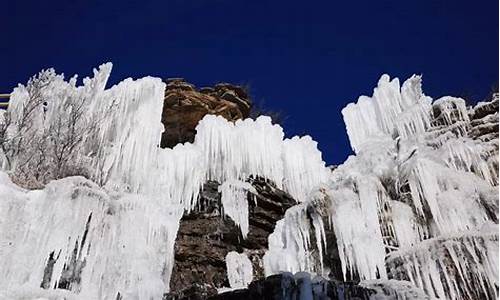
(185, 106)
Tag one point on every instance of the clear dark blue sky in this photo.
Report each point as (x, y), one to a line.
(307, 59)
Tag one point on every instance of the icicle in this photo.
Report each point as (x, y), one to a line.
(359, 240)
(465, 155)
(451, 110)
(235, 204)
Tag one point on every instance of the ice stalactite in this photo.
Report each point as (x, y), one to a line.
(235, 203)
(450, 110)
(464, 155)
(257, 148)
(304, 168)
(239, 270)
(355, 220)
(128, 144)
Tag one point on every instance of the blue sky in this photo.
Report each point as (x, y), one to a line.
(307, 59)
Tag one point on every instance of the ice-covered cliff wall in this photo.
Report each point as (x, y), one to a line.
(417, 202)
(422, 188)
(117, 236)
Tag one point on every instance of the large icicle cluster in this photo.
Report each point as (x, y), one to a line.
(392, 110)
(289, 244)
(418, 184)
(117, 236)
(416, 203)
(463, 266)
(73, 235)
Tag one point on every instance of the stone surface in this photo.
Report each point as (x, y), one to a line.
(484, 120)
(185, 106)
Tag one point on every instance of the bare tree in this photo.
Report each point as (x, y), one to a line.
(42, 137)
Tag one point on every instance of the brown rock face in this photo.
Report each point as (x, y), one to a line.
(205, 237)
(185, 106)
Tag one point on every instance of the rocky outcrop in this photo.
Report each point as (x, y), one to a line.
(205, 237)
(484, 120)
(185, 106)
(287, 286)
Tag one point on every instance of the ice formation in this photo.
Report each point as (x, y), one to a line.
(116, 236)
(234, 202)
(431, 184)
(419, 183)
(289, 244)
(463, 266)
(73, 235)
(239, 270)
(418, 201)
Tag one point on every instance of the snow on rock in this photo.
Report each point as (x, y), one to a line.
(239, 270)
(393, 290)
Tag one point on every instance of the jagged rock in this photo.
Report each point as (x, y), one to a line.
(185, 106)
(483, 109)
(205, 237)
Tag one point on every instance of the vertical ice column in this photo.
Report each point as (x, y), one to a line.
(356, 225)
(179, 175)
(131, 132)
(239, 270)
(304, 169)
